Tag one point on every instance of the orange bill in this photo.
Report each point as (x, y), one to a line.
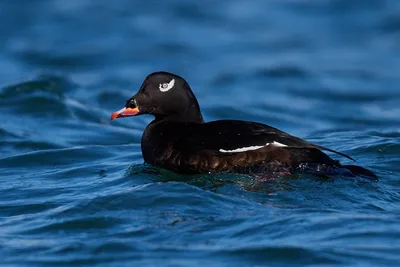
(125, 112)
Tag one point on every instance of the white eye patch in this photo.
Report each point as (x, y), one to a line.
(165, 87)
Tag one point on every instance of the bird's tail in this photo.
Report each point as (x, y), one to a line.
(360, 171)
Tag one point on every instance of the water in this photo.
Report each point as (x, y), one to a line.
(73, 186)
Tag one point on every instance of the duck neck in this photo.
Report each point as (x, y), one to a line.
(191, 114)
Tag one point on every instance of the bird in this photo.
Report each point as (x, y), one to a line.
(178, 139)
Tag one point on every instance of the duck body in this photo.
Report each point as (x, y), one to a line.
(226, 146)
(178, 139)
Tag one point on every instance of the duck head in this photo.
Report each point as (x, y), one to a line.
(164, 95)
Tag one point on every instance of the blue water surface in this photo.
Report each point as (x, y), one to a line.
(73, 186)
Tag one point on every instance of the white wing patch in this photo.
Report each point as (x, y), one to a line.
(249, 148)
(243, 149)
(165, 87)
(277, 144)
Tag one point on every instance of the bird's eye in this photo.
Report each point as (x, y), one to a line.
(164, 87)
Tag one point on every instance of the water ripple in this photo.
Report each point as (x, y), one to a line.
(75, 191)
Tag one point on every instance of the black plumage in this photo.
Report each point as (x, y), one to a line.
(178, 138)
